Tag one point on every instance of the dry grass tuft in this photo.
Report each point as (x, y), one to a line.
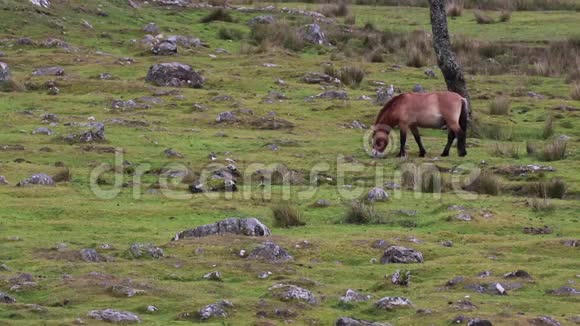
(454, 8)
(500, 106)
(482, 18)
(286, 216)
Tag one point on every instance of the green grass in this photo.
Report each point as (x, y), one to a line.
(340, 255)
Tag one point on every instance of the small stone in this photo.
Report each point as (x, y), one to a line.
(447, 243)
(213, 276)
(289, 292)
(5, 298)
(152, 308)
(401, 255)
(377, 194)
(226, 116)
(90, 255)
(354, 296)
(391, 303)
(401, 278)
(114, 316)
(139, 250)
(463, 217)
(544, 321)
(218, 309)
(348, 321)
(430, 73)
(42, 131)
(271, 252)
(264, 275)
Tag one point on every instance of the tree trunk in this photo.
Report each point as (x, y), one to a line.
(452, 71)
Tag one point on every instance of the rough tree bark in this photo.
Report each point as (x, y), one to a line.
(452, 71)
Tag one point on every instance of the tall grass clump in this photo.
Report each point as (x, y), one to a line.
(506, 150)
(539, 204)
(219, 14)
(548, 130)
(554, 188)
(482, 18)
(485, 183)
(553, 151)
(454, 8)
(500, 106)
(335, 10)
(361, 212)
(575, 92)
(505, 16)
(351, 76)
(233, 34)
(286, 216)
(279, 34)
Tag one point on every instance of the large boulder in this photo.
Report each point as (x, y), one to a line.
(41, 3)
(348, 321)
(401, 255)
(270, 252)
(95, 133)
(37, 179)
(5, 75)
(312, 33)
(377, 194)
(174, 74)
(114, 316)
(240, 226)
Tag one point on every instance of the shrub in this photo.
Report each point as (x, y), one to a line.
(454, 8)
(506, 150)
(335, 10)
(219, 14)
(279, 34)
(352, 76)
(233, 34)
(286, 215)
(416, 58)
(361, 212)
(350, 20)
(539, 204)
(555, 188)
(485, 183)
(505, 16)
(377, 57)
(481, 18)
(500, 106)
(530, 148)
(493, 131)
(575, 92)
(554, 151)
(369, 27)
(63, 175)
(548, 127)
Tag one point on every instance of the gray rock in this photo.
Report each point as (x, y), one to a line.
(264, 275)
(571, 243)
(174, 74)
(354, 296)
(5, 298)
(544, 321)
(463, 217)
(42, 131)
(5, 75)
(270, 252)
(90, 255)
(121, 290)
(37, 179)
(348, 321)
(105, 76)
(226, 116)
(48, 71)
(312, 33)
(401, 278)
(564, 290)
(332, 95)
(41, 3)
(49, 117)
(96, 133)
(289, 292)
(418, 88)
(391, 303)
(213, 276)
(479, 322)
(3, 180)
(384, 95)
(240, 226)
(322, 203)
(317, 78)
(120, 105)
(114, 316)
(518, 274)
(139, 250)
(392, 185)
(274, 97)
(430, 73)
(355, 124)
(263, 20)
(152, 308)
(164, 47)
(187, 41)
(218, 309)
(401, 255)
(170, 152)
(377, 194)
(151, 28)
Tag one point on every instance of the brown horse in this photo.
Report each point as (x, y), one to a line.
(426, 110)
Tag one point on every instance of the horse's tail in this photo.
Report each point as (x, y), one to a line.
(464, 116)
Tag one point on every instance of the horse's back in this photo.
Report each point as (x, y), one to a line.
(430, 110)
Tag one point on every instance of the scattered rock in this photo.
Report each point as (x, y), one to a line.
(479, 322)
(96, 133)
(42, 131)
(114, 316)
(312, 33)
(164, 47)
(5, 75)
(262, 20)
(430, 73)
(384, 95)
(264, 275)
(273, 97)
(5, 298)
(544, 321)
(418, 88)
(518, 274)
(377, 194)
(241, 226)
(402, 279)
(41, 3)
(564, 290)
(401, 255)
(151, 28)
(289, 292)
(37, 179)
(354, 296)
(3, 180)
(537, 230)
(465, 305)
(523, 170)
(226, 116)
(484, 274)
(171, 153)
(322, 203)
(91, 255)
(571, 243)
(271, 252)
(464, 217)
(317, 78)
(213, 276)
(218, 309)
(174, 75)
(535, 95)
(49, 118)
(390, 303)
(48, 71)
(355, 124)
(121, 290)
(139, 250)
(348, 321)
(331, 95)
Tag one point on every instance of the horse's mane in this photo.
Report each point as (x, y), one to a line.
(394, 101)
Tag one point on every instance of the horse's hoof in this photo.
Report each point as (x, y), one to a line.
(444, 154)
(422, 154)
(462, 154)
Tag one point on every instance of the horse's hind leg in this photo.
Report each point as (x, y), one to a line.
(415, 132)
(461, 138)
(450, 139)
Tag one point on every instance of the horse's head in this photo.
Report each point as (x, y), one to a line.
(380, 140)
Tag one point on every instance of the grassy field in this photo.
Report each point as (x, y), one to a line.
(34, 220)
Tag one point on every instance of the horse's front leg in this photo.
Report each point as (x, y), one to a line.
(403, 134)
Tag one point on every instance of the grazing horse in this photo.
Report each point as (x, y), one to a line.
(412, 111)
